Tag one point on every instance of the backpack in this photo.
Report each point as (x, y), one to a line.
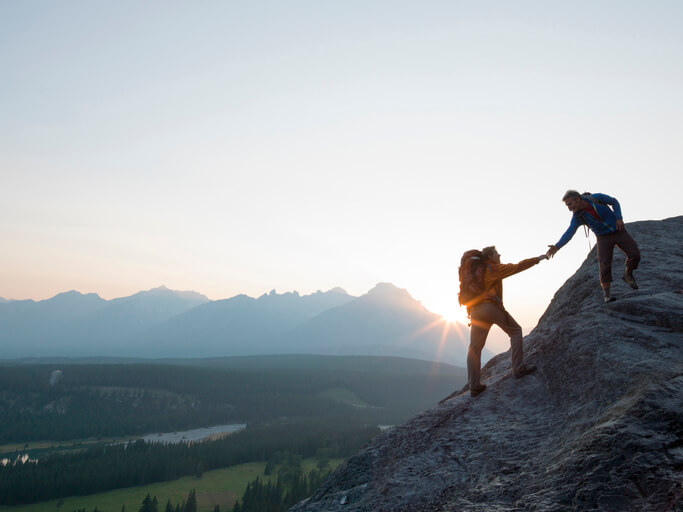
(590, 198)
(471, 273)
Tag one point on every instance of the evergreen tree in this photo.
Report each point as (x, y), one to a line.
(191, 504)
(146, 504)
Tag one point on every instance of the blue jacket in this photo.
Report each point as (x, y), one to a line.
(606, 225)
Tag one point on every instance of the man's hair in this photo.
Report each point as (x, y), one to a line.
(488, 252)
(570, 193)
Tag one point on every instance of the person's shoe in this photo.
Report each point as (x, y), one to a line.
(608, 298)
(525, 369)
(629, 280)
(478, 390)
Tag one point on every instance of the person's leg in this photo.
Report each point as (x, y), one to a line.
(630, 248)
(478, 333)
(504, 320)
(605, 252)
(494, 314)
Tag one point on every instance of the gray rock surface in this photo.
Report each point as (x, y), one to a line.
(598, 427)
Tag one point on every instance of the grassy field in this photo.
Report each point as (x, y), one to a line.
(219, 487)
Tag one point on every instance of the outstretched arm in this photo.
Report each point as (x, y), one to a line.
(571, 230)
(503, 270)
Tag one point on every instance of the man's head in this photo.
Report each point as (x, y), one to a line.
(490, 254)
(573, 201)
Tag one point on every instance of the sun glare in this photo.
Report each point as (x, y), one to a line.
(448, 308)
(455, 316)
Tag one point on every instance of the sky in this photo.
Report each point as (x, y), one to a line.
(239, 147)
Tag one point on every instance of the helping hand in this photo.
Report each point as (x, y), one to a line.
(551, 251)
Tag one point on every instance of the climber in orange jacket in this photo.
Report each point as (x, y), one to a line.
(489, 310)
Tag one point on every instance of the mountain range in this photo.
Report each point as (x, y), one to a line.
(167, 323)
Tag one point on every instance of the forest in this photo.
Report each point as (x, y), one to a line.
(310, 407)
(139, 463)
(110, 400)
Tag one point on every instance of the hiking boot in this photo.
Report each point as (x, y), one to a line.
(629, 280)
(525, 369)
(478, 390)
(608, 298)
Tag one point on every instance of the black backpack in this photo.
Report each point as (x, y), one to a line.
(471, 273)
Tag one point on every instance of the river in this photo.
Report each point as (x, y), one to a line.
(197, 434)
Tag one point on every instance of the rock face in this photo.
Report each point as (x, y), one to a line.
(598, 427)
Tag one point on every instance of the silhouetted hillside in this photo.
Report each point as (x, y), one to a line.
(241, 325)
(166, 323)
(75, 324)
(384, 321)
(28, 327)
(598, 427)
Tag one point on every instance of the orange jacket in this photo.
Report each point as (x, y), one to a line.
(494, 273)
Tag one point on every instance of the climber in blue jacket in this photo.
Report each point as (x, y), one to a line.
(593, 210)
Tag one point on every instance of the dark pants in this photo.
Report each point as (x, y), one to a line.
(483, 316)
(606, 245)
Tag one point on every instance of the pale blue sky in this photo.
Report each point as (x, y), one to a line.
(237, 147)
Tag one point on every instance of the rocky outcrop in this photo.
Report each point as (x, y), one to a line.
(597, 427)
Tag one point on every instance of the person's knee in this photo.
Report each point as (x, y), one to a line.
(515, 332)
(477, 343)
(477, 346)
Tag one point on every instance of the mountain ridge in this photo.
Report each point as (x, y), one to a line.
(597, 427)
(378, 322)
(386, 320)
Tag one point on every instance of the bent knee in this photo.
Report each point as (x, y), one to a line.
(515, 332)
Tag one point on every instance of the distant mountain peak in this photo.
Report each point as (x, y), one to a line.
(73, 294)
(164, 290)
(273, 293)
(337, 289)
(70, 293)
(388, 289)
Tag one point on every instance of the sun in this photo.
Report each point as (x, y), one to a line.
(453, 313)
(448, 308)
(455, 316)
